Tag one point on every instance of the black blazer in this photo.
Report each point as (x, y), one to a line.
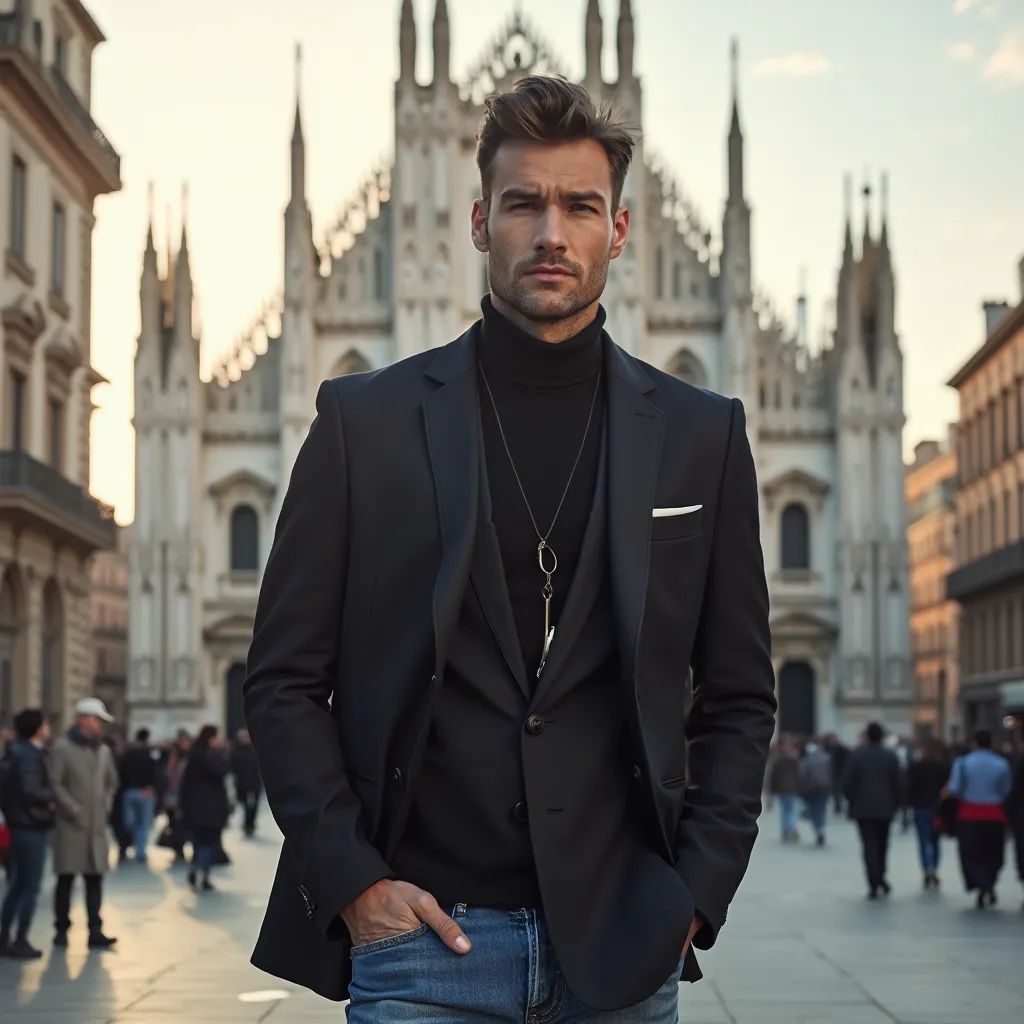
(357, 607)
(873, 784)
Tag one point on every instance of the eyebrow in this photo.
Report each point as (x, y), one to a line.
(573, 196)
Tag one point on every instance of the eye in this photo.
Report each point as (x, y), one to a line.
(584, 206)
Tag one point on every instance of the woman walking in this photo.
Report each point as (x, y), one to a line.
(784, 784)
(204, 802)
(926, 778)
(981, 779)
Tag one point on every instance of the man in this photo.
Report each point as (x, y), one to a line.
(816, 786)
(873, 789)
(84, 782)
(247, 780)
(28, 808)
(468, 683)
(137, 769)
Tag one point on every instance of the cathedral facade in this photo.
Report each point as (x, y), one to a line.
(396, 273)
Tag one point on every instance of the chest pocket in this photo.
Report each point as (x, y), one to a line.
(678, 526)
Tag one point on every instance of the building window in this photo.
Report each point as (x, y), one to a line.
(17, 409)
(60, 55)
(56, 434)
(659, 272)
(244, 539)
(57, 251)
(19, 181)
(796, 542)
(677, 280)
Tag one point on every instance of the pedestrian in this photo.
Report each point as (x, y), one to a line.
(84, 782)
(464, 690)
(815, 783)
(1015, 812)
(872, 787)
(926, 778)
(982, 781)
(784, 785)
(247, 779)
(28, 807)
(175, 832)
(138, 773)
(204, 802)
(840, 753)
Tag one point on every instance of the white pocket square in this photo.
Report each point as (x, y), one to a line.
(679, 510)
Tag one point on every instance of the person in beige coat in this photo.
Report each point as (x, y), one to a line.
(84, 782)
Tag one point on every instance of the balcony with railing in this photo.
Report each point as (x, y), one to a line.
(33, 493)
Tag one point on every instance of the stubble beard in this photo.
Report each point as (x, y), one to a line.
(545, 307)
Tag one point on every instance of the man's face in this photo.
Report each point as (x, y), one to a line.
(548, 227)
(90, 725)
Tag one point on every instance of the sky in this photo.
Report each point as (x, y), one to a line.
(930, 92)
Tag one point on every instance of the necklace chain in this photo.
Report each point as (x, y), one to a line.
(593, 399)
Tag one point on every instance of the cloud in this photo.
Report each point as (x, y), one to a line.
(963, 6)
(989, 10)
(961, 51)
(1007, 63)
(800, 64)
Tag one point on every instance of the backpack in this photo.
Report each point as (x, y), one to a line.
(816, 772)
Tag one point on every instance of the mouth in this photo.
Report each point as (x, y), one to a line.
(549, 272)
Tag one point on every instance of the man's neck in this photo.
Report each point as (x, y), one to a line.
(552, 331)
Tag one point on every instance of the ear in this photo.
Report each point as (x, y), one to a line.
(478, 225)
(620, 232)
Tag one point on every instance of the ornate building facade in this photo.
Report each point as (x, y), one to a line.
(54, 161)
(397, 273)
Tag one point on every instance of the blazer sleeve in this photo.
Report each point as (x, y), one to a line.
(290, 674)
(732, 717)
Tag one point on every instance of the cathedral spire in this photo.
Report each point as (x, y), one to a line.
(735, 132)
(866, 193)
(625, 41)
(442, 44)
(848, 229)
(183, 247)
(594, 35)
(884, 239)
(298, 143)
(407, 43)
(149, 260)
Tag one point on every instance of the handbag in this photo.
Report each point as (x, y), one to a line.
(945, 817)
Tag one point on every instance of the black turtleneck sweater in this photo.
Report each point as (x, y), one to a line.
(543, 392)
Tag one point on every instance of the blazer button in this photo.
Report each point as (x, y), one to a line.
(637, 773)
(535, 724)
(433, 679)
(520, 813)
(396, 774)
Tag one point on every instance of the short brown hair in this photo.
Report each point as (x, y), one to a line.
(540, 108)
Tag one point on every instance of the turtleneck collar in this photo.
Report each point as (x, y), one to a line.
(508, 351)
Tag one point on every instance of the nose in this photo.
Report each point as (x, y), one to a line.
(549, 235)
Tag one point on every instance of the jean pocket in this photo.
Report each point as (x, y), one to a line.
(389, 940)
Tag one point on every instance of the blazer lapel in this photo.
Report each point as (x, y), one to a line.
(451, 420)
(488, 578)
(636, 430)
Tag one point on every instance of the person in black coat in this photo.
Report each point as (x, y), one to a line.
(872, 787)
(204, 802)
(247, 779)
(29, 807)
(926, 778)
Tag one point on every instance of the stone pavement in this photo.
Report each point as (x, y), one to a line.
(802, 945)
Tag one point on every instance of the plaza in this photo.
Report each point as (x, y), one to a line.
(802, 946)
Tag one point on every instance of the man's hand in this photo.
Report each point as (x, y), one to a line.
(389, 907)
(694, 928)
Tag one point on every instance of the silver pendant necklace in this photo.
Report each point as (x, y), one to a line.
(546, 557)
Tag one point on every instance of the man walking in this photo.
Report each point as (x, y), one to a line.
(138, 779)
(247, 780)
(28, 807)
(469, 681)
(84, 783)
(873, 788)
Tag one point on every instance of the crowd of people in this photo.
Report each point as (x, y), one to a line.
(71, 794)
(971, 793)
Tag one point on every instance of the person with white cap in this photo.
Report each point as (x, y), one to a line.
(84, 782)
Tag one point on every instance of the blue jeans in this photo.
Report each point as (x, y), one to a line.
(137, 812)
(24, 877)
(510, 974)
(787, 812)
(927, 841)
(817, 806)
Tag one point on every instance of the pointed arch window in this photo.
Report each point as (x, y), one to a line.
(244, 539)
(796, 537)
